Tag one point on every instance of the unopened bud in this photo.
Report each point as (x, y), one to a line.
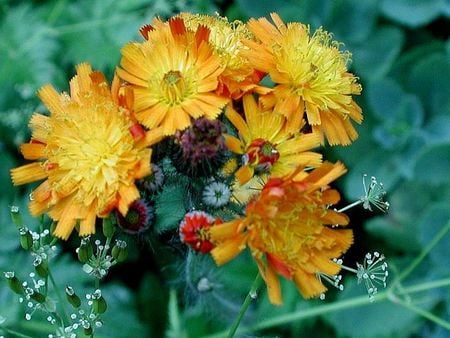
(16, 217)
(85, 250)
(13, 282)
(72, 297)
(26, 239)
(108, 227)
(120, 251)
(41, 266)
(38, 297)
(98, 302)
(88, 330)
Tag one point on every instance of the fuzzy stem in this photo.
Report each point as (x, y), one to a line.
(354, 204)
(422, 255)
(426, 314)
(334, 307)
(15, 333)
(245, 305)
(65, 317)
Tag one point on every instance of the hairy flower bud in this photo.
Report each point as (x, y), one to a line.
(85, 250)
(14, 283)
(26, 239)
(120, 251)
(72, 297)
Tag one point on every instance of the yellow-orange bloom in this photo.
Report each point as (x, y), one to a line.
(285, 229)
(311, 75)
(174, 75)
(269, 142)
(226, 40)
(88, 151)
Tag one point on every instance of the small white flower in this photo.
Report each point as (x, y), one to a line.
(216, 194)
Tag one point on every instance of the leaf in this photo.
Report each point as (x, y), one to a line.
(375, 56)
(26, 50)
(434, 219)
(378, 319)
(170, 208)
(436, 131)
(98, 37)
(432, 164)
(360, 17)
(379, 163)
(429, 79)
(411, 13)
(175, 327)
(259, 8)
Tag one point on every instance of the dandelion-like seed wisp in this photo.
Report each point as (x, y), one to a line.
(373, 271)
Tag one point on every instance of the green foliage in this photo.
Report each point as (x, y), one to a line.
(170, 207)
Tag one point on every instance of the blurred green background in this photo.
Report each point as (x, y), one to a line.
(401, 52)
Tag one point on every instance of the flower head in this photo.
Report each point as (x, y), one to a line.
(139, 217)
(88, 151)
(216, 194)
(311, 76)
(201, 147)
(194, 230)
(226, 39)
(269, 143)
(285, 229)
(174, 76)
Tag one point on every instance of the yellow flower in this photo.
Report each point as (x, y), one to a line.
(311, 75)
(174, 76)
(285, 230)
(226, 39)
(269, 142)
(88, 151)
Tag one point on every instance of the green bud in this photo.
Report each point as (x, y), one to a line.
(99, 305)
(41, 266)
(53, 227)
(38, 297)
(85, 251)
(120, 251)
(72, 297)
(26, 239)
(14, 283)
(108, 227)
(88, 330)
(16, 217)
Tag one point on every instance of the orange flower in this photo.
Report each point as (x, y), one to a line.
(311, 75)
(174, 75)
(269, 142)
(89, 152)
(226, 40)
(285, 229)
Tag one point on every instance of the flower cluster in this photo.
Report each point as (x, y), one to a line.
(236, 163)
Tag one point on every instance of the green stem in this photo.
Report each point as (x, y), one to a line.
(14, 333)
(428, 315)
(97, 283)
(422, 255)
(354, 204)
(333, 307)
(250, 295)
(65, 318)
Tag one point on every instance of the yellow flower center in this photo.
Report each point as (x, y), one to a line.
(174, 87)
(93, 152)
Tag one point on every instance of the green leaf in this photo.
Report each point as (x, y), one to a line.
(26, 49)
(378, 319)
(429, 79)
(436, 131)
(259, 8)
(170, 208)
(352, 21)
(435, 218)
(395, 235)
(432, 164)
(411, 13)
(408, 60)
(175, 329)
(374, 57)
(98, 38)
(379, 163)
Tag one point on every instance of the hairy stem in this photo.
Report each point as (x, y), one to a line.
(250, 295)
